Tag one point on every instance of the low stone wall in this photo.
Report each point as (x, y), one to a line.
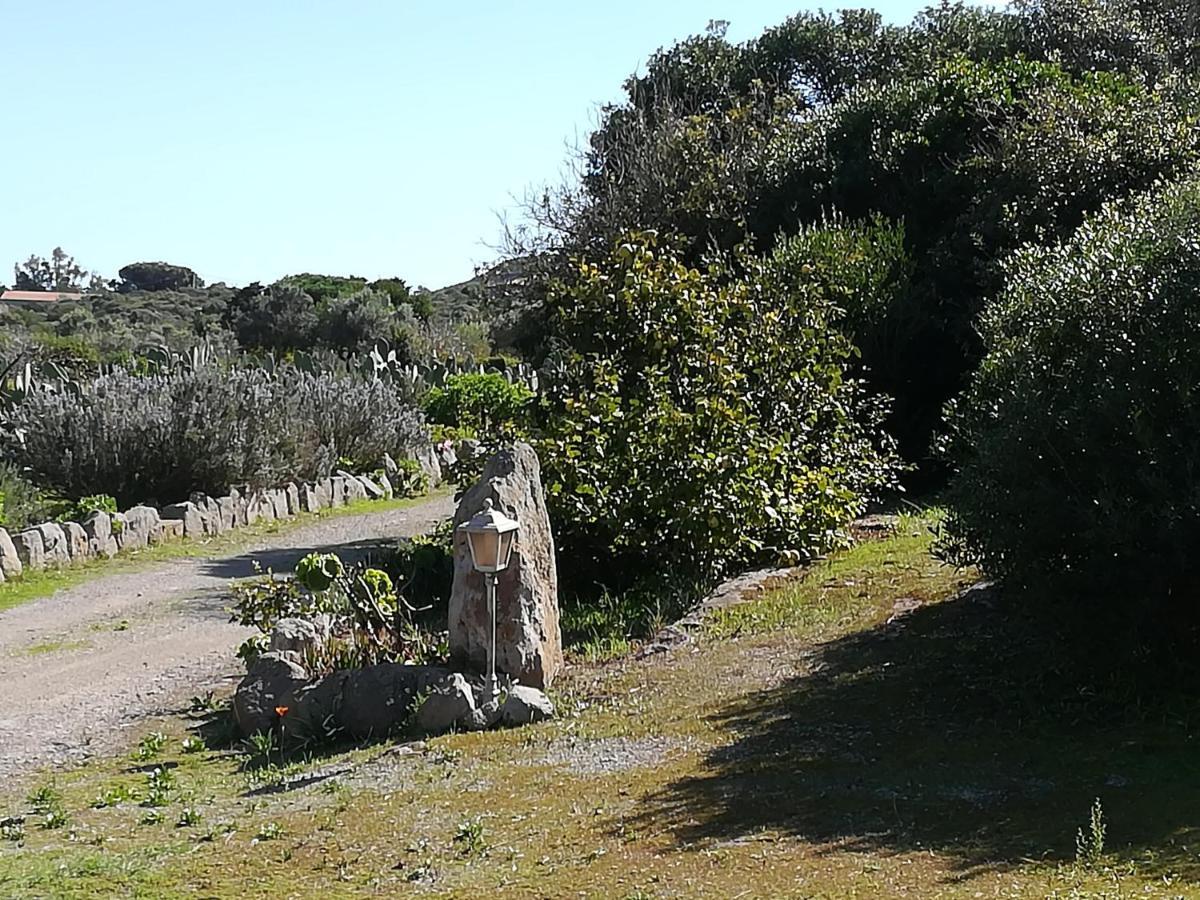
(103, 536)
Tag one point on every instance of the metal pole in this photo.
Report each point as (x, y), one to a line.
(492, 689)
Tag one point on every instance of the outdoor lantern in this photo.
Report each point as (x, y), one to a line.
(490, 538)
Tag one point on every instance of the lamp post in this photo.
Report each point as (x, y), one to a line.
(490, 537)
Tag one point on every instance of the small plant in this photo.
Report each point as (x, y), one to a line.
(193, 745)
(189, 816)
(261, 745)
(150, 747)
(1089, 841)
(159, 786)
(12, 830)
(56, 818)
(85, 506)
(152, 817)
(202, 703)
(114, 796)
(44, 798)
(469, 837)
(269, 831)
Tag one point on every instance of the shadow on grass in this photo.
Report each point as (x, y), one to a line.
(959, 728)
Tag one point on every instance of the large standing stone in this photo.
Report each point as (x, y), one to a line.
(291, 493)
(10, 562)
(54, 545)
(427, 459)
(98, 527)
(279, 505)
(353, 488)
(77, 542)
(337, 491)
(189, 514)
(309, 500)
(528, 641)
(30, 550)
(142, 527)
(228, 512)
(373, 489)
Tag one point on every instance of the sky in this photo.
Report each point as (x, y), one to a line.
(254, 139)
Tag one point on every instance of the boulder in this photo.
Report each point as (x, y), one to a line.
(308, 499)
(354, 489)
(118, 528)
(30, 550)
(10, 562)
(172, 529)
(240, 497)
(54, 545)
(296, 635)
(450, 704)
(259, 508)
(528, 640)
(378, 699)
(324, 492)
(272, 681)
(427, 459)
(210, 513)
(385, 484)
(373, 489)
(98, 527)
(291, 494)
(525, 705)
(78, 545)
(337, 491)
(189, 514)
(142, 527)
(229, 512)
(279, 504)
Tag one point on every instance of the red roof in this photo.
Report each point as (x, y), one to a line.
(39, 296)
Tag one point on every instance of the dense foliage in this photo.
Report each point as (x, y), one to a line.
(975, 130)
(1080, 432)
(478, 402)
(692, 420)
(160, 437)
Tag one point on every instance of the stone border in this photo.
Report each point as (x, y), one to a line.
(103, 536)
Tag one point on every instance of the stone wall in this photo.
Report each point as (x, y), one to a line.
(103, 536)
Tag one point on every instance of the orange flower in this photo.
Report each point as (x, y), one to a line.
(281, 711)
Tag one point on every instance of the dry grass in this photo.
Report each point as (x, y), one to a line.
(808, 748)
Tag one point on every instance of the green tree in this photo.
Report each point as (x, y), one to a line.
(158, 276)
(279, 318)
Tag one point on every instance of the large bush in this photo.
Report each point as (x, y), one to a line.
(158, 438)
(695, 419)
(1080, 433)
(478, 401)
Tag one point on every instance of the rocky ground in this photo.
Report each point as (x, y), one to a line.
(79, 668)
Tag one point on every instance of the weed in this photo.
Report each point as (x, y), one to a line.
(260, 746)
(205, 702)
(159, 785)
(152, 817)
(269, 831)
(188, 817)
(1089, 842)
(469, 837)
(150, 747)
(114, 796)
(44, 798)
(57, 817)
(193, 745)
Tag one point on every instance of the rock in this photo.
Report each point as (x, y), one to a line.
(259, 508)
(54, 545)
(142, 527)
(379, 699)
(189, 515)
(427, 459)
(524, 706)
(306, 497)
(279, 504)
(229, 512)
(118, 528)
(210, 513)
(446, 455)
(98, 527)
(324, 492)
(385, 484)
(298, 635)
(389, 465)
(337, 491)
(272, 681)
(354, 489)
(172, 529)
(450, 704)
(528, 641)
(78, 545)
(10, 562)
(373, 489)
(30, 550)
(291, 494)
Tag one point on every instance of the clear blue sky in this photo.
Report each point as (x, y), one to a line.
(259, 138)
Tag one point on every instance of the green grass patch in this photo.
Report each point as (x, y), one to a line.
(35, 585)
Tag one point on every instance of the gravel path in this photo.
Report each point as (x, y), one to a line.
(80, 668)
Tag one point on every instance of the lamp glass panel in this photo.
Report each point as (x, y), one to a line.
(506, 545)
(485, 549)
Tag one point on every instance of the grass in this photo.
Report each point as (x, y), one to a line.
(35, 585)
(821, 741)
(56, 647)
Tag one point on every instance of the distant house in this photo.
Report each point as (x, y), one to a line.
(38, 298)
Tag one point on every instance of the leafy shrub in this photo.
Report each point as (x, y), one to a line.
(700, 419)
(21, 502)
(85, 506)
(481, 402)
(160, 437)
(1078, 437)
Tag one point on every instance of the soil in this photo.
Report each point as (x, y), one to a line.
(81, 667)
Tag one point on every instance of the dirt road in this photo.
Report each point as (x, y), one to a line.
(81, 668)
